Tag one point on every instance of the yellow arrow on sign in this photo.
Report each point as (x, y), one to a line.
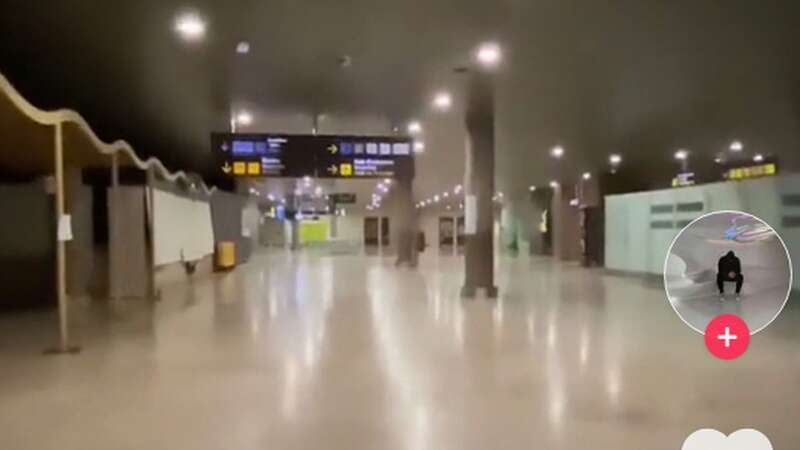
(333, 170)
(226, 168)
(333, 149)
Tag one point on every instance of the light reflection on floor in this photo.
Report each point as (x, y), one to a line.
(305, 351)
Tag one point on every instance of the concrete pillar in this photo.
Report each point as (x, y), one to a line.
(294, 225)
(380, 234)
(455, 235)
(479, 182)
(364, 235)
(334, 221)
(405, 223)
(566, 229)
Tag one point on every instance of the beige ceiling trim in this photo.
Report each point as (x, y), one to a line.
(51, 118)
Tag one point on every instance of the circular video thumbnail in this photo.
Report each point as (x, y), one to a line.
(728, 262)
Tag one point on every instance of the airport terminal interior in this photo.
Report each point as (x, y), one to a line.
(399, 225)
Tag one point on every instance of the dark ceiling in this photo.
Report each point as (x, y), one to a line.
(633, 76)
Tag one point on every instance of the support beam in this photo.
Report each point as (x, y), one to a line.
(61, 250)
(114, 274)
(479, 183)
(149, 196)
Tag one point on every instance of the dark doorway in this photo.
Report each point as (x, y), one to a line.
(371, 230)
(446, 231)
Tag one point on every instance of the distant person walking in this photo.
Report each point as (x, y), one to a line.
(729, 269)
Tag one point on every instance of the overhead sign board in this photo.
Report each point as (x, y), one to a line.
(343, 198)
(755, 171)
(285, 155)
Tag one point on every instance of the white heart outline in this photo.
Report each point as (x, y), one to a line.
(711, 439)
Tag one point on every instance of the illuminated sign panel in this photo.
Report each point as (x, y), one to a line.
(743, 173)
(683, 179)
(282, 155)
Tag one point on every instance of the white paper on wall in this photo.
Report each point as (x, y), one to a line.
(470, 214)
(65, 228)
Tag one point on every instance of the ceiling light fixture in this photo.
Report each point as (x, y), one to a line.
(489, 54)
(243, 47)
(442, 101)
(414, 127)
(244, 118)
(190, 26)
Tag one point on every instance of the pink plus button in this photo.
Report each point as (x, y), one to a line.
(727, 337)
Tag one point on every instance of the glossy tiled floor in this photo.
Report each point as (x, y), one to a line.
(310, 352)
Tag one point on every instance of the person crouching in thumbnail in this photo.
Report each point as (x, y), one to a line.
(729, 269)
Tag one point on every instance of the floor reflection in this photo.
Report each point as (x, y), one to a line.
(313, 351)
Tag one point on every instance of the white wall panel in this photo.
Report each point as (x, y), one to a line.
(181, 226)
(634, 244)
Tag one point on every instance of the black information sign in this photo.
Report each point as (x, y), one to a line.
(285, 155)
(343, 198)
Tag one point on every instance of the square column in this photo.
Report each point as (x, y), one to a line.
(479, 183)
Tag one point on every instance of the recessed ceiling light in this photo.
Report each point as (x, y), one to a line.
(489, 54)
(243, 47)
(244, 118)
(190, 26)
(442, 101)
